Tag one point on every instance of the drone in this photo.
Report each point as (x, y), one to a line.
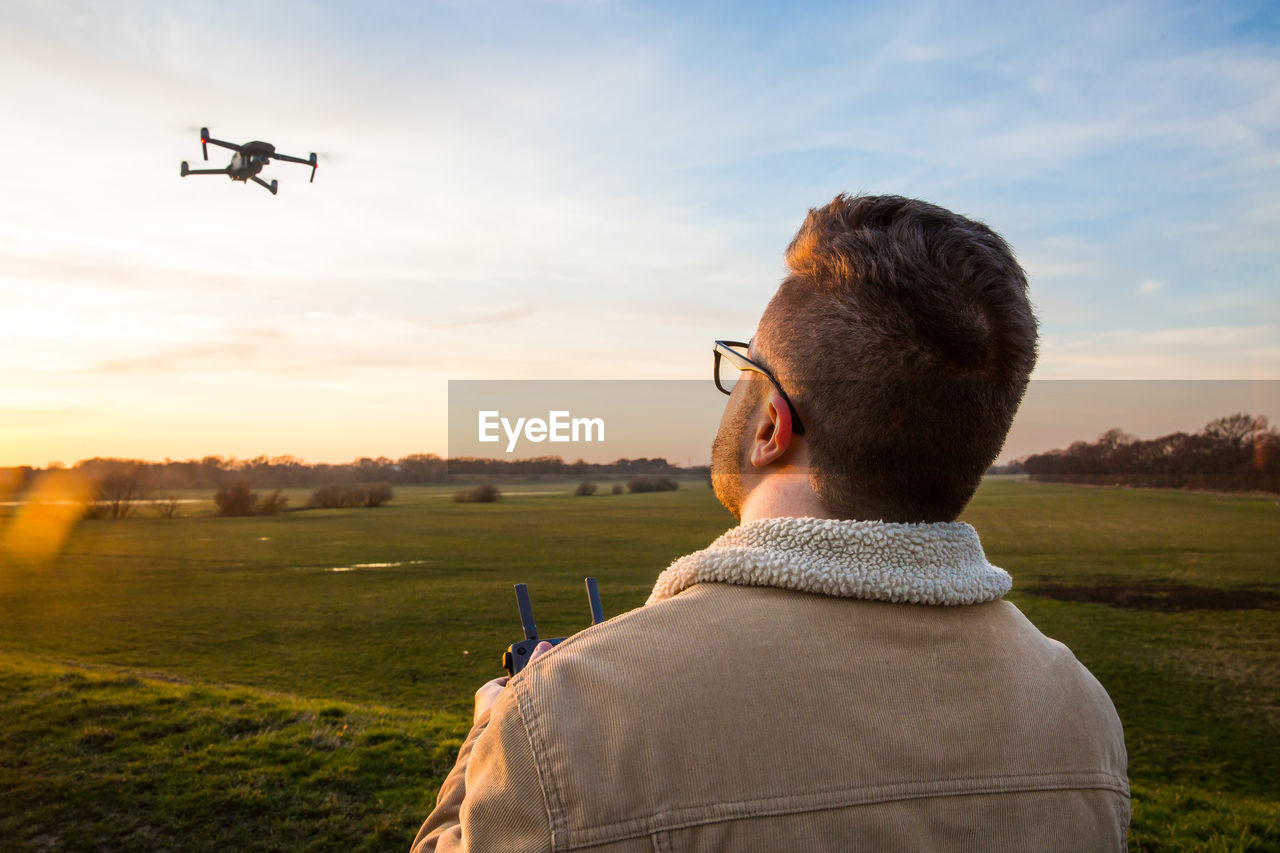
(247, 162)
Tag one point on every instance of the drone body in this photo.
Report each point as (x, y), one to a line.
(246, 162)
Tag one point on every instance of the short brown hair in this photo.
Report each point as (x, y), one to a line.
(907, 336)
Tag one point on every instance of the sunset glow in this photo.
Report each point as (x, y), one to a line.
(585, 191)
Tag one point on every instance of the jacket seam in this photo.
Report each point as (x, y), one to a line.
(862, 796)
(537, 745)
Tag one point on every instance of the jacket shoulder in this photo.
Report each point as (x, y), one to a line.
(727, 700)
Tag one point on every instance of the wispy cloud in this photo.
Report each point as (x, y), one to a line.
(486, 317)
(113, 269)
(203, 357)
(1216, 352)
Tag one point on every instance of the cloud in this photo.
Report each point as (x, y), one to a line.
(1211, 352)
(491, 316)
(1150, 286)
(314, 342)
(115, 269)
(214, 355)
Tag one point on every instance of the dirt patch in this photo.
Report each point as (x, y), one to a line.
(1167, 597)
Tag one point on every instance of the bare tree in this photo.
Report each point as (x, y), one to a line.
(1234, 429)
(166, 506)
(121, 486)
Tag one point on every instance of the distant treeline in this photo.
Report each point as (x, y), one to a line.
(1237, 453)
(213, 472)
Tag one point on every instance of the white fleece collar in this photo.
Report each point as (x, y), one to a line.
(940, 563)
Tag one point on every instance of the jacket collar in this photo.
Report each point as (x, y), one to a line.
(940, 563)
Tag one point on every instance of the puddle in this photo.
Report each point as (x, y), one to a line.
(358, 566)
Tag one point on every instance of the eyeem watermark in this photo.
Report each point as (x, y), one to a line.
(558, 427)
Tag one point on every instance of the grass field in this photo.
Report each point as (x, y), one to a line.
(303, 681)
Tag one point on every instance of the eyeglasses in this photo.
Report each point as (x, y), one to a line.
(728, 369)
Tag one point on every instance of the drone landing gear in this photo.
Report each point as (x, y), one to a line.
(187, 170)
(268, 186)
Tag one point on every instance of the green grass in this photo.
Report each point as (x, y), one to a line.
(184, 682)
(256, 601)
(109, 760)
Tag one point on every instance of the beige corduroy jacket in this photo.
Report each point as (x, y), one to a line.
(800, 685)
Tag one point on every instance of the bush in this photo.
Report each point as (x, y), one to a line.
(328, 497)
(486, 493)
(166, 506)
(617, 488)
(376, 494)
(272, 504)
(652, 484)
(334, 496)
(238, 499)
(585, 489)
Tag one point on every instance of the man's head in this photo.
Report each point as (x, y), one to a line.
(904, 336)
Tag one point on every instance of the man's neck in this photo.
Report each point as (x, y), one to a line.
(783, 494)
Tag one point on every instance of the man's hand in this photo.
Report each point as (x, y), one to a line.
(488, 694)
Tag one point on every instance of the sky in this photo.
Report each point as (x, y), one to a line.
(590, 190)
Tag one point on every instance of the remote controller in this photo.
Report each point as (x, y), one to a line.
(517, 654)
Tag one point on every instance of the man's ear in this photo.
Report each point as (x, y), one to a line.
(773, 435)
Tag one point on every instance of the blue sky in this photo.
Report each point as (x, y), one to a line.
(587, 190)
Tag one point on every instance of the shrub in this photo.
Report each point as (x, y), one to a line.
(327, 497)
(334, 496)
(235, 499)
(585, 489)
(617, 488)
(485, 493)
(166, 506)
(652, 484)
(376, 494)
(272, 504)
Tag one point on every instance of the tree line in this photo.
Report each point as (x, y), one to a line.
(1238, 452)
(133, 476)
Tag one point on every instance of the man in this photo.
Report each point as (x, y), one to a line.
(837, 672)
